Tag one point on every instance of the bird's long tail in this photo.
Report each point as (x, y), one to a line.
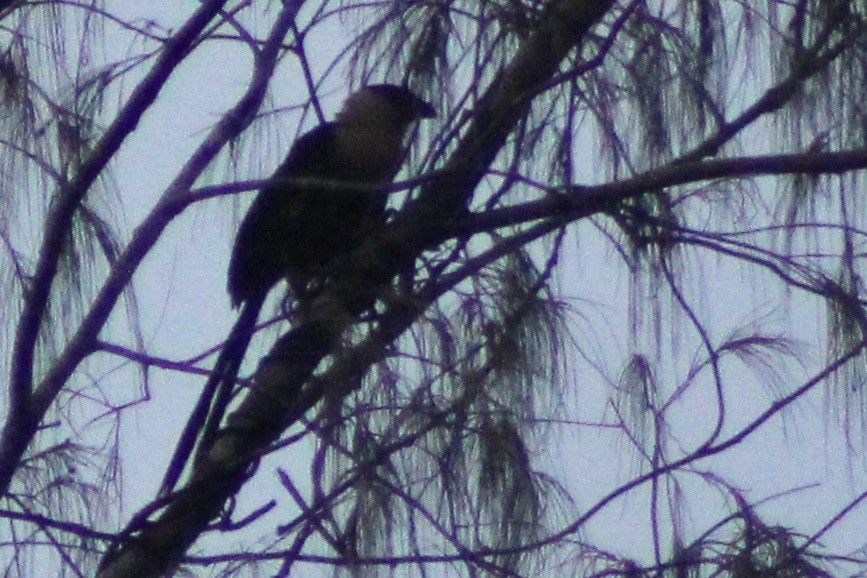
(216, 395)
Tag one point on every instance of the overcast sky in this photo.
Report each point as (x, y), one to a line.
(185, 309)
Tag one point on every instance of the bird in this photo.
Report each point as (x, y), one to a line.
(322, 201)
(295, 231)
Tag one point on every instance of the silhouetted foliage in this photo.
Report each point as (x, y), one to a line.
(614, 323)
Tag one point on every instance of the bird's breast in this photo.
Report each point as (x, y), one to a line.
(369, 153)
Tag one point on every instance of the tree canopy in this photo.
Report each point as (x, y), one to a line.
(618, 325)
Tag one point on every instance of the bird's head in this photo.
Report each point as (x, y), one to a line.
(372, 128)
(385, 105)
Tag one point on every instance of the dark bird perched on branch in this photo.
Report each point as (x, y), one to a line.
(299, 230)
(296, 232)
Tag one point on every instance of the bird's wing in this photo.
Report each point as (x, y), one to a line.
(257, 259)
(311, 155)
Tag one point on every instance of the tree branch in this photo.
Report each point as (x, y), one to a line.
(26, 409)
(140, 557)
(582, 201)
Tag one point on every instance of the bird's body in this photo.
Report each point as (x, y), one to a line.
(325, 198)
(296, 230)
